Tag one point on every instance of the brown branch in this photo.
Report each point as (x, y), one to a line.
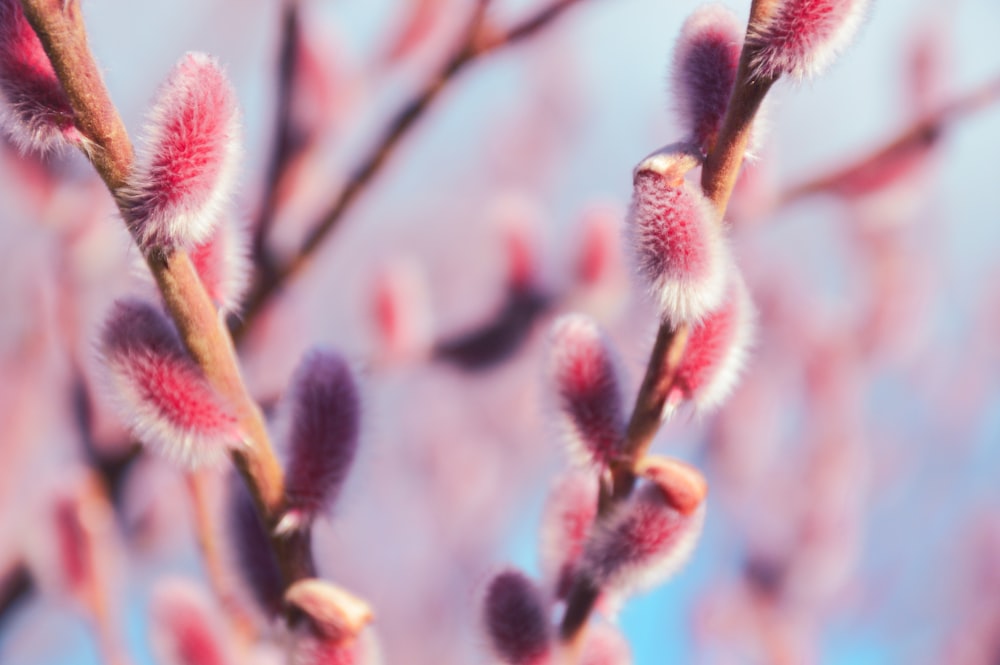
(480, 40)
(284, 134)
(912, 142)
(61, 29)
(718, 177)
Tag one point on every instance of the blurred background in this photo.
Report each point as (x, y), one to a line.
(854, 513)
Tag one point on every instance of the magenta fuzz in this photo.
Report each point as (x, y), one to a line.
(704, 70)
(801, 37)
(186, 170)
(35, 111)
(164, 396)
(586, 382)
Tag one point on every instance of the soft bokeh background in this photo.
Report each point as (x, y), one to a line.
(454, 466)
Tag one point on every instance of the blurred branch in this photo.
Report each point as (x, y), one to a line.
(63, 34)
(284, 140)
(480, 40)
(879, 165)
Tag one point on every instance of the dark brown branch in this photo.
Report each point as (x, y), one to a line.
(478, 42)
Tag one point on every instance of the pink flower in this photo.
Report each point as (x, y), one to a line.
(802, 37)
(677, 241)
(704, 70)
(716, 351)
(187, 168)
(517, 620)
(585, 377)
(325, 414)
(164, 397)
(35, 111)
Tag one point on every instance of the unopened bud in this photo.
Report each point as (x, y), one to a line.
(585, 377)
(334, 612)
(683, 485)
(325, 414)
(716, 351)
(187, 630)
(677, 241)
(187, 168)
(165, 399)
(801, 38)
(704, 70)
(642, 544)
(517, 620)
(35, 109)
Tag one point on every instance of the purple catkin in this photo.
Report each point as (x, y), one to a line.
(186, 169)
(585, 377)
(325, 414)
(516, 620)
(704, 70)
(251, 549)
(642, 544)
(35, 109)
(165, 399)
(801, 38)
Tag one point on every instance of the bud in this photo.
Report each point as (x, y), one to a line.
(802, 37)
(251, 549)
(517, 620)
(335, 613)
(187, 630)
(603, 644)
(642, 544)
(402, 310)
(586, 382)
(704, 70)
(223, 264)
(569, 514)
(683, 485)
(677, 240)
(36, 111)
(324, 415)
(187, 168)
(164, 397)
(716, 352)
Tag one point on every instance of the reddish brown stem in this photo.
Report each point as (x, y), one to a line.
(61, 29)
(480, 40)
(719, 174)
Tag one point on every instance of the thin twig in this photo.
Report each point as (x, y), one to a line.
(284, 140)
(480, 40)
(62, 32)
(912, 141)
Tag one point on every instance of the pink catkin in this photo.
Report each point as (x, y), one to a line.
(801, 38)
(642, 544)
(186, 170)
(516, 620)
(187, 630)
(165, 399)
(309, 648)
(678, 246)
(716, 351)
(604, 644)
(401, 310)
(569, 514)
(325, 413)
(586, 382)
(223, 264)
(704, 70)
(36, 110)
